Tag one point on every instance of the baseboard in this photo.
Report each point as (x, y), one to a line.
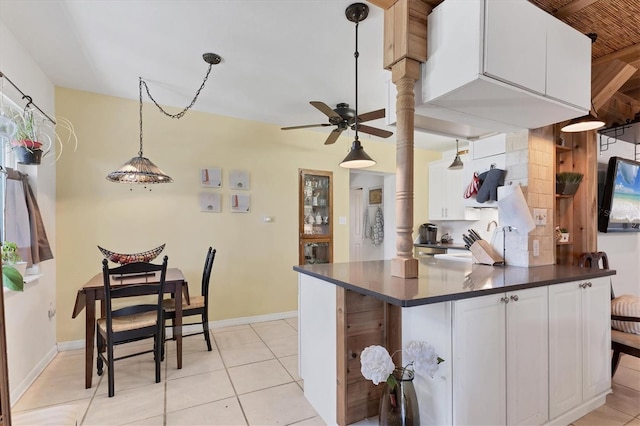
(22, 387)
(79, 344)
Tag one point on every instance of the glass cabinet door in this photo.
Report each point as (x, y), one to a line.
(315, 217)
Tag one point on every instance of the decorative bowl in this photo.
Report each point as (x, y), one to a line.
(124, 258)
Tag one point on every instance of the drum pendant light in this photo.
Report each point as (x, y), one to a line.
(140, 170)
(357, 158)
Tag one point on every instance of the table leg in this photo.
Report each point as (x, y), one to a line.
(178, 324)
(90, 327)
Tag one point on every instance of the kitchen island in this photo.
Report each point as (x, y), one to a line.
(521, 345)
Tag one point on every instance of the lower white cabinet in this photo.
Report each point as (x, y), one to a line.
(579, 343)
(500, 359)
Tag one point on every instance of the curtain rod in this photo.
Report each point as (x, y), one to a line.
(27, 97)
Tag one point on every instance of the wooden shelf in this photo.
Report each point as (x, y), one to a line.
(565, 243)
(562, 148)
(564, 196)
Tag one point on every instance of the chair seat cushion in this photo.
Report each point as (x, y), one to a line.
(129, 322)
(628, 306)
(627, 339)
(196, 302)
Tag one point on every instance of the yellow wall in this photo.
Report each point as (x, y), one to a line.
(252, 273)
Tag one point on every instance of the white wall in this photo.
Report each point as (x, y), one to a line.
(366, 181)
(31, 335)
(622, 248)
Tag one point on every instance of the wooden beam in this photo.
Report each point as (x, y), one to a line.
(572, 7)
(628, 54)
(606, 79)
(405, 32)
(632, 85)
(619, 109)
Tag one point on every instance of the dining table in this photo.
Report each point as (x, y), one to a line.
(93, 290)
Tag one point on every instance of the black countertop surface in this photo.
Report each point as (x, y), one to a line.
(448, 246)
(443, 280)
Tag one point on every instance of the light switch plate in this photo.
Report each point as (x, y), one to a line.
(540, 216)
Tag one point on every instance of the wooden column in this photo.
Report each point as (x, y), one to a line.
(405, 47)
(404, 74)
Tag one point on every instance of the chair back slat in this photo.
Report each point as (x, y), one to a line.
(206, 273)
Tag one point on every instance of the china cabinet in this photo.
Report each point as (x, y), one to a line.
(315, 208)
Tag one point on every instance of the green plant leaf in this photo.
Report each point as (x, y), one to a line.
(12, 279)
(391, 381)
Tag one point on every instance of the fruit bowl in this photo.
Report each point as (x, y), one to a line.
(124, 258)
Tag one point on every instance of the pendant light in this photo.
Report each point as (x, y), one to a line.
(357, 158)
(457, 162)
(582, 124)
(140, 170)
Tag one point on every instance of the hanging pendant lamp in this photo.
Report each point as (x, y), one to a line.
(457, 161)
(357, 158)
(582, 124)
(140, 170)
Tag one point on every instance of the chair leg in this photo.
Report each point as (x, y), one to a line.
(205, 328)
(99, 350)
(158, 343)
(615, 360)
(111, 370)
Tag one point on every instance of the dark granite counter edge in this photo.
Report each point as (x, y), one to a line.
(597, 273)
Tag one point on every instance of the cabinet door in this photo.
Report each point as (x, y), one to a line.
(565, 347)
(596, 308)
(568, 49)
(515, 43)
(436, 195)
(315, 210)
(479, 384)
(527, 357)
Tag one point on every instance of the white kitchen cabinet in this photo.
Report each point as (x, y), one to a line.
(505, 61)
(446, 190)
(579, 344)
(500, 345)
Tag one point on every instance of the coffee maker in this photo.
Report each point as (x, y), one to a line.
(428, 233)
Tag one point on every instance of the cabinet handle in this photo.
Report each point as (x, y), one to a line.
(588, 284)
(504, 299)
(583, 285)
(514, 297)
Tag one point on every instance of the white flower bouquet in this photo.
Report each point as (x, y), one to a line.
(376, 363)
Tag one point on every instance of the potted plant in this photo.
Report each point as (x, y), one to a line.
(12, 276)
(25, 143)
(567, 183)
(562, 234)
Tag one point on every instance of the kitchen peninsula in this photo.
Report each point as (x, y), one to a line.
(521, 345)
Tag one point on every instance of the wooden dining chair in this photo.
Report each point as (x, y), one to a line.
(623, 339)
(135, 321)
(199, 304)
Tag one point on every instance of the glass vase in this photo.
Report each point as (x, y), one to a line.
(399, 406)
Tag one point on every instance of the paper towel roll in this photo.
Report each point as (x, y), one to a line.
(514, 210)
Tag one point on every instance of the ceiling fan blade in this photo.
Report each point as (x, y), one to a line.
(325, 109)
(333, 137)
(373, 115)
(373, 131)
(306, 126)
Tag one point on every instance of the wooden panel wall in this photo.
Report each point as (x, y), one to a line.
(362, 321)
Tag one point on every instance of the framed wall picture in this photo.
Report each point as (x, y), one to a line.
(211, 177)
(240, 203)
(210, 202)
(375, 196)
(239, 179)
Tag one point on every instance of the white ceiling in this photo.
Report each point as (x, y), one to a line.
(277, 55)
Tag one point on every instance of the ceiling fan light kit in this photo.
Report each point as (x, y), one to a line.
(357, 158)
(140, 170)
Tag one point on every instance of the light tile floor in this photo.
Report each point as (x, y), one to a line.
(250, 378)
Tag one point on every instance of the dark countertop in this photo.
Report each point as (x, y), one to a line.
(442, 280)
(448, 246)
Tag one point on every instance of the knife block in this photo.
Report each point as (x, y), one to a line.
(482, 252)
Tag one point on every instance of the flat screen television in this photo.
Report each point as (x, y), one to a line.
(619, 206)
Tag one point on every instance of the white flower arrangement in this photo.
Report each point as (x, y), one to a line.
(376, 363)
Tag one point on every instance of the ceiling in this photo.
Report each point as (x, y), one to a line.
(277, 54)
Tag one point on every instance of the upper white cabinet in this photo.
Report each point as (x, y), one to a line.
(505, 62)
(446, 189)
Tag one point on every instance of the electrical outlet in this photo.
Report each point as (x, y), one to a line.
(536, 248)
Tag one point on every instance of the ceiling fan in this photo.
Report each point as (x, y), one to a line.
(342, 116)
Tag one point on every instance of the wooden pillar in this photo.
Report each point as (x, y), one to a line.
(405, 47)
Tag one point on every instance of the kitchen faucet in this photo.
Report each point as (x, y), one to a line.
(489, 225)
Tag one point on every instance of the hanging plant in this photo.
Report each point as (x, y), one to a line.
(25, 143)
